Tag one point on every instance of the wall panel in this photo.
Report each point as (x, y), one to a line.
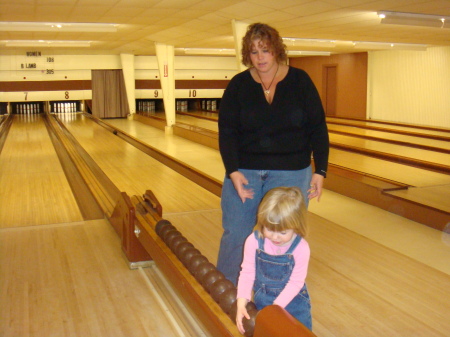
(410, 86)
(351, 80)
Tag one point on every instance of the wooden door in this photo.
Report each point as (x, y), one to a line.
(330, 89)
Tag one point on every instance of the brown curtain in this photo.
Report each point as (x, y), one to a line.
(109, 97)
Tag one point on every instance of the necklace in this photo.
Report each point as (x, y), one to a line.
(267, 90)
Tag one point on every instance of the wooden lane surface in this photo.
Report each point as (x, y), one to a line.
(349, 125)
(419, 131)
(329, 207)
(436, 195)
(33, 187)
(348, 299)
(399, 151)
(62, 279)
(356, 130)
(71, 280)
(430, 188)
(395, 172)
(377, 143)
(371, 288)
(134, 172)
(439, 145)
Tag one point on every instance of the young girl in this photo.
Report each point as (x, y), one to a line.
(276, 258)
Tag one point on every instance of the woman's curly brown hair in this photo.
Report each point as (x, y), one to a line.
(269, 36)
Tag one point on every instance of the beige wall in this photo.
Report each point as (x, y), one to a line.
(78, 68)
(410, 86)
(401, 86)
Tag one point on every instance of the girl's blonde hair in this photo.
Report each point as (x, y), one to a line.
(268, 36)
(282, 208)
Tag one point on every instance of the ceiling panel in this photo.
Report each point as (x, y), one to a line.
(208, 23)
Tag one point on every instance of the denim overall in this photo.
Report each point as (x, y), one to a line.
(272, 274)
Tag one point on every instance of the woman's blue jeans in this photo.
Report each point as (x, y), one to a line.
(238, 219)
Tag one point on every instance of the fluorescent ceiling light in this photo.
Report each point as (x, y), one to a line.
(292, 41)
(208, 51)
(308, 53)
(46, 43)
(57, 27)
(413, 19)
(388, 46)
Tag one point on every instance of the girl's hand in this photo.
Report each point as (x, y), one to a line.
(241, 313)
(316, 185)
(239, 181)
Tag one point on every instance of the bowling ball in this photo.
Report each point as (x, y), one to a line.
(163, 225)
(163, 232)
(182, 247)
(227, 298)
(195, 262)
(173, 244)
(219, 287)
(115, 132)
(251, 306)
(202, 270)
(188, 255)
(170, 234)
(233, 311)
(249, 324)
(210, 278)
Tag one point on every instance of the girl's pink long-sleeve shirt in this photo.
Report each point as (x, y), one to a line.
(296, 281)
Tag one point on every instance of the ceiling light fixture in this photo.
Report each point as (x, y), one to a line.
(46, 43)
(308, 53)
(207, 51)
(292, 41)
(414, 19)
(58, 27)
(388, 46)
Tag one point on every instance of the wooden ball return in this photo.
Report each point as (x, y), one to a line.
(145, 236)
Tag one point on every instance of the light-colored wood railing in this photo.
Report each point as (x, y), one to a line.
(102, 188)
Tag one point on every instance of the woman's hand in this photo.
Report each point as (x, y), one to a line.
(316, 185)
(241, 313)
(239, 181)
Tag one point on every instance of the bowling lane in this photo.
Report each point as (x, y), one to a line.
(355, 139)
(332, 204)
(389, 136)
(70, 280)
(352, 245)
(381, 147)
(395, 172)
(208, 160)
(203, 123)
(59, 275)
(135, 172)
(395, 128)
(354, 129)
(33, 187)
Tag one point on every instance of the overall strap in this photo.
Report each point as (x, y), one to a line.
(294, 244)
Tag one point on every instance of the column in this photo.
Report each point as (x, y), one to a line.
(129, 78)
(165, 55)
(239, 30)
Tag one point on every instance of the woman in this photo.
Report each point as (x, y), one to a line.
(271, 121)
